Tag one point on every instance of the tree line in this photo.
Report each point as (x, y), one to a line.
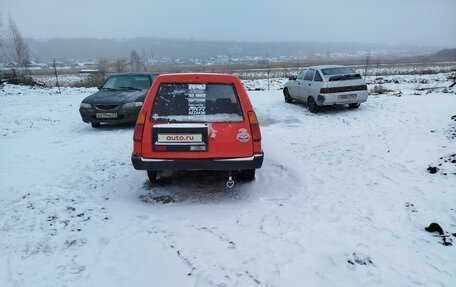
(13, 47)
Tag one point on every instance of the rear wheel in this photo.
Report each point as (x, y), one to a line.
(152, 175)
(312, 105)
(247, 174)
(95, 125)
(354, 106)
(287, 96)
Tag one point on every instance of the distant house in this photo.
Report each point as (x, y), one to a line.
(32, 64)
(88, 71)
(11, 65)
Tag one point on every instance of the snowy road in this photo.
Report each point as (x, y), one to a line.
(342, 199)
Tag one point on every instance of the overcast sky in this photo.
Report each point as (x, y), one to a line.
(416, 22)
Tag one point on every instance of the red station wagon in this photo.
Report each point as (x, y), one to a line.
(197, 122)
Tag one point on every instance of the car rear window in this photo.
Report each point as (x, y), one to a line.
(345, 77)
(337, 71)
(185, 102)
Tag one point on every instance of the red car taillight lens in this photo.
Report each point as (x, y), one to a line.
(343, 89)
(324, 91)
(256, 133)
(139, 129)
(138, 134)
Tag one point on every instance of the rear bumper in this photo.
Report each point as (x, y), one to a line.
(337, 98)
(253, 162)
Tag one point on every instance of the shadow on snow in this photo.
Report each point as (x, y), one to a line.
(195, 187)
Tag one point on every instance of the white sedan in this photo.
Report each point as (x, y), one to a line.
(326, 85)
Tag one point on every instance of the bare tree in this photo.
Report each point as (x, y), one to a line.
(98, 79)
(121, 65)
(366, 66)
(103, 67)
(20, 47)
(378, 67)
(268, 68)
(135, 61)
(2, 40)
(56, 76)
(144, 59)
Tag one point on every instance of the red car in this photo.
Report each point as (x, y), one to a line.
(197, 122)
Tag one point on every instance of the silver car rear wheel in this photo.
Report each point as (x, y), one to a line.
(312, 105)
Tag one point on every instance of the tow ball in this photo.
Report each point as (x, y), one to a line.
(230, 182)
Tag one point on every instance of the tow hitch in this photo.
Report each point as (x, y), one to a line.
(230, 182)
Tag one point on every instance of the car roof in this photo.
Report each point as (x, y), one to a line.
(198, 77)
(136, 74)
(319, 67)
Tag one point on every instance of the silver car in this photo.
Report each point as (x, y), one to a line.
(326, 85)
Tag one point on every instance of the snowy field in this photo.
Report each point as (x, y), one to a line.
(342, 199)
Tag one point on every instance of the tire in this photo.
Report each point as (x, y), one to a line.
(312, 105)
(152, 175)
(288, 98)
(354, 106)
(247, 174)
(95, 125)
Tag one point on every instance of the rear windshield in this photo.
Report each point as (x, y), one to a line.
(128, 82)
(196, 103)
(337, 71)
(345, 77)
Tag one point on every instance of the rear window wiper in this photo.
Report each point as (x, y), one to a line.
(130, 88)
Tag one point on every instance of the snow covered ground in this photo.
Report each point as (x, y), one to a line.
(342, 199)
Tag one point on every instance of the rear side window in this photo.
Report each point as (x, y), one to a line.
(309, 75)
(318, 77)
(182, 102)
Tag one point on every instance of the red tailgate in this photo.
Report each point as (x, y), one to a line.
(197, 117)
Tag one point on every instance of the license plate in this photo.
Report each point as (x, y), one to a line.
(350, 96)
(106, 115)
(180, 138)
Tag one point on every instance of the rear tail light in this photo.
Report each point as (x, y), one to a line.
(138, 133)
(324, 91)
(343, 89)
(256, 133)
(252, 118)
(141, 120)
